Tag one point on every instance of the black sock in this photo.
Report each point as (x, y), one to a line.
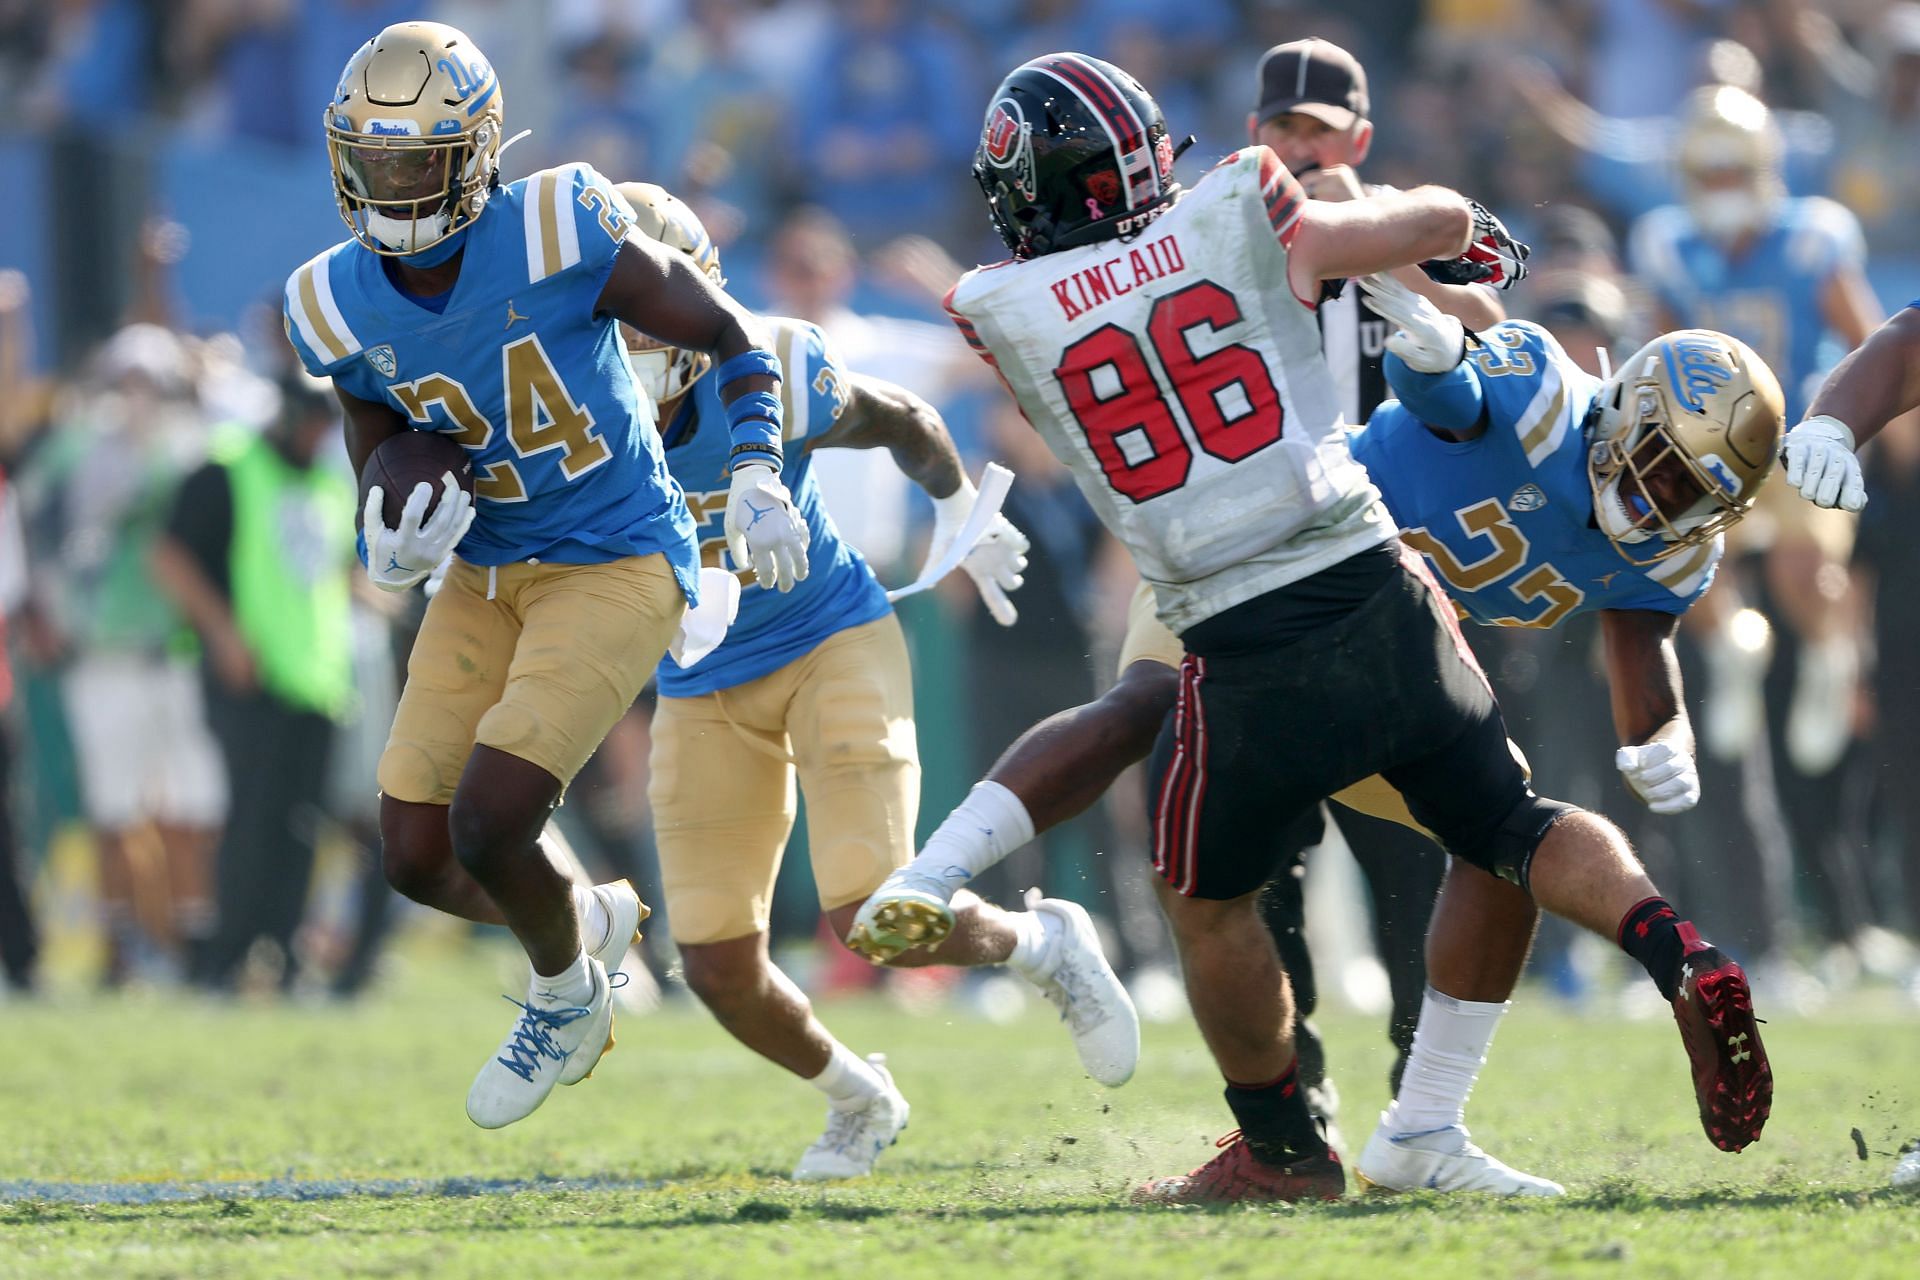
(1274, 1118)
(1652, 934)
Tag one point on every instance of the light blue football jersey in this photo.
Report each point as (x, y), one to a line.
(520, 369)
(839, 591)
(1769, 296)
(1506, 520)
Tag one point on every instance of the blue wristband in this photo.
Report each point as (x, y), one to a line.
(360, 547)
(755, 418)
(745, 365)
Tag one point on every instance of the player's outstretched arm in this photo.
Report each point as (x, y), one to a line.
(881, 414)
(663, 293)
(1361, 237)
(884, 415)
(1877, 381)
(1656, 754)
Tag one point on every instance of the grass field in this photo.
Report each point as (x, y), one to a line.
(668, 1161)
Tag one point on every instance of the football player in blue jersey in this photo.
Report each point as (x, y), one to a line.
(1786, 276)
(490, 313)
(813, 687)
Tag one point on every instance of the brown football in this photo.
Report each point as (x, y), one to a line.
(402, 461)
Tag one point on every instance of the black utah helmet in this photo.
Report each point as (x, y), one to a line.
(1073, 152)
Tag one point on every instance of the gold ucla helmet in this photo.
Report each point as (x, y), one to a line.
(664, 372)
(1683, 435)
(413, 133)
(1729, 160)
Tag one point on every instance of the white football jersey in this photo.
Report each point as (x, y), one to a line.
(1181, 380)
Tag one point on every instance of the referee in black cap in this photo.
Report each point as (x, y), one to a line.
(1313, 112)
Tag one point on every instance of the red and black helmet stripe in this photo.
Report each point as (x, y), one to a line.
(1116, 114)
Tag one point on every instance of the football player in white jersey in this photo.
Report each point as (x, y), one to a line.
(1163, 343)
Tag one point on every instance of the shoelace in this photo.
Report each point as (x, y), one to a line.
(533, 1037)
(1071, 991)
(842, 1128)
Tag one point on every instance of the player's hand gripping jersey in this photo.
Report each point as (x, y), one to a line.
(520, 369)
(1505, 519)
(773, 628)
(1177, 375)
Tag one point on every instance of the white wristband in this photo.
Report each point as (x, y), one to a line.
(1846, 432)
(954, 507)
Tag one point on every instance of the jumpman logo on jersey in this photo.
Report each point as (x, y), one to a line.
(513, 315)
(1606, 579)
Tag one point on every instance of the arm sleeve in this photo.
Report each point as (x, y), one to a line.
(202, 520)
(1453, 400)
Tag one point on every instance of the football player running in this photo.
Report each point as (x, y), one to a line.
(813, 686)
(490, 312)
(1221, 461)
(1785, 275)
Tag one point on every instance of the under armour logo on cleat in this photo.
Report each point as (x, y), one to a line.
(1743, 1054)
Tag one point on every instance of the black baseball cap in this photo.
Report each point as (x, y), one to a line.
(1315, 78)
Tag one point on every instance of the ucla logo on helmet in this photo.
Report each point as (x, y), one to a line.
(382, 360)
(1697, 369)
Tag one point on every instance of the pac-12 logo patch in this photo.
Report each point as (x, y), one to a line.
(1527, 497)
(381, 358)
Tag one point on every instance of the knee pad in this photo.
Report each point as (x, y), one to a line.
(1508, 849)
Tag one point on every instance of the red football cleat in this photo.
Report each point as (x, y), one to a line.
(1237, 1176)
(1732, 1080)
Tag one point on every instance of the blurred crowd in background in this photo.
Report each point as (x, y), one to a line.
(177, 812)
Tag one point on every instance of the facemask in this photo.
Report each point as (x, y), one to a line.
(653, 370)
(1725, 215)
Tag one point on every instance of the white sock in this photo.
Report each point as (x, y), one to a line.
(848, 1080)
(989, 824)
(573, 985)
(1030, 958)
(593, 915)
(1449, 1048)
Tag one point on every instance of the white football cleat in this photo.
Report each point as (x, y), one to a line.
(1443, 1160)
(905, 912)
(553, 1042)
(855, 1139)
(624, 912)
(1076, 979)
(1907, 1172)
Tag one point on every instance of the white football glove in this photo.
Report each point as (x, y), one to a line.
(1428, 339)
(996, 562)
(1667, 779)
(400, 558)
(1822, 466)
(764, 532)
